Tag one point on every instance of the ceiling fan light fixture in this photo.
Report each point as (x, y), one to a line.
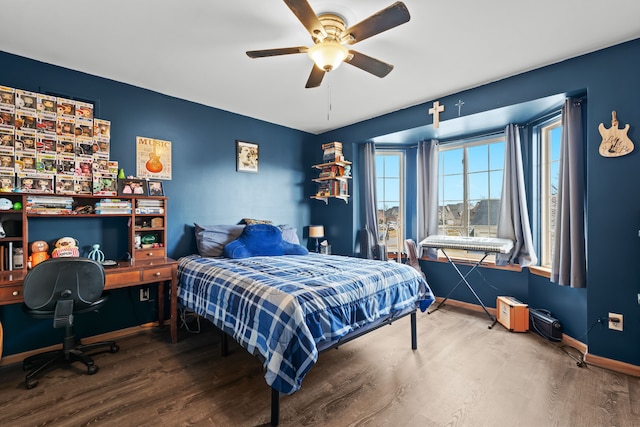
(328, 55)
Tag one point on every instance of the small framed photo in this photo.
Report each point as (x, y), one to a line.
(246, 157)
(132, 186)
(155, 188)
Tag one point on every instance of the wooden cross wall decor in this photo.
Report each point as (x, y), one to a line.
(436, 110)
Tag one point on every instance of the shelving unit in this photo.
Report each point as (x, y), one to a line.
(333, 181)
(145, 221)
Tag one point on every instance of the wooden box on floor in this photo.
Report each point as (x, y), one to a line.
(512, 314)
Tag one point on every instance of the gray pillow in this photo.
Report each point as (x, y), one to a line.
(211, 239)
(289, 234)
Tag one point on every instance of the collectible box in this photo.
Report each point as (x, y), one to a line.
(25, 141)
(65, 184)
(100, 166)
(26, 119)
(26, 100)
(84, 110)
(46, 123)
(25, 162)
(101, 129)
(47, 104)
(65, 126)
(82, 185)
(34, 183)
(7, 141)
(7, 164)
(84, 127)
(66, 145)
(101, 148)
(84, 147)
(83, 167)
(65, 164)
(7, 97)
(46, 143)
(7, 117)
(105, 184)
(66, 108)
(7, 182)
(46, 163)
(113, 167)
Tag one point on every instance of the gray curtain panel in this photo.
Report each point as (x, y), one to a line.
(568, 264)
(427, 193)
(373, 249)
(513, 219)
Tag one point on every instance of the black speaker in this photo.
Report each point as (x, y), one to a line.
(543, 323)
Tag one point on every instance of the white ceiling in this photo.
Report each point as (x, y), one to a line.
(195, 49)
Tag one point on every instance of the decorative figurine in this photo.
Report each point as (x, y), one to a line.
(96, 254)
(39, 253)
(65, 247)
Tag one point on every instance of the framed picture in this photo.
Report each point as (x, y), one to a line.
(132, 186)
(246, 157)
(155, 188)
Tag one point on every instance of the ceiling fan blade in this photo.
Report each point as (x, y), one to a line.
(276, 52)
(315, 78)
(307, 17)
(383, 20)
(369, 64)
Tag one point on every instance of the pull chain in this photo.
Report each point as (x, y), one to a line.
(329, 97)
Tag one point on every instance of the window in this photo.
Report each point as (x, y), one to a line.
(470, 186)
(549, 135)
(389, 195)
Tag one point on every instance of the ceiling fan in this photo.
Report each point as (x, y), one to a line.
(329, 33)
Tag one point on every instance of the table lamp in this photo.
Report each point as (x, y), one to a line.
(316, 232)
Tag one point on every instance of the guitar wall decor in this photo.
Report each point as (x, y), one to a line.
(154, 164)
(615, 142)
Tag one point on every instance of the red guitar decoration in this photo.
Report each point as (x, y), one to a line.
(154, 165)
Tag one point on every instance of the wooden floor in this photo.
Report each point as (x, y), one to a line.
(463, 374)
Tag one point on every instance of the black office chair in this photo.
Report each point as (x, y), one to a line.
(58, 289)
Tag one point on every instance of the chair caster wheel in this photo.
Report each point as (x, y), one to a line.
(92, 369)
(31, 384)
(114, 348)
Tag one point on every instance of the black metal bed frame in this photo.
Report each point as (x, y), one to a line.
(275, 394)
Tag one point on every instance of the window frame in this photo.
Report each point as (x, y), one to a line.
(401, 228)
(466, 144)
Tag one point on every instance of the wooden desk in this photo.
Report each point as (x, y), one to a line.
(123, 275)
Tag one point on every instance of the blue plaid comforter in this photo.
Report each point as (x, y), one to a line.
(280, 307)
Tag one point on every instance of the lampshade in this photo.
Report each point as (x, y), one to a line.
(328, 55)
(316, 231)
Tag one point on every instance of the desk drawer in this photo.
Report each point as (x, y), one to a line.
(126, 278)
(160, 273)
(150, 253)
(10, 294)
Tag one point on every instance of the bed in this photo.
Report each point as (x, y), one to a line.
(286, 309)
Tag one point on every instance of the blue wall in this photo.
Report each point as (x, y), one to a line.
(205, 187)
(609, 79)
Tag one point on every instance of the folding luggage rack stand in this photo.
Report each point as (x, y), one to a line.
(488, 245)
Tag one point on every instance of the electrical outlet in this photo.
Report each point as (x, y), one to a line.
(144, 294)
(615, 321)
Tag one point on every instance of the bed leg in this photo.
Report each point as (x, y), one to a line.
(414, 332)
(275, 407)
(224, 344)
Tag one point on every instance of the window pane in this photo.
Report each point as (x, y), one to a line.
(452, 188)
(495, 184)
(478, 186)
(496, 155)
(451, 161)
(478, 158)
(389, 187)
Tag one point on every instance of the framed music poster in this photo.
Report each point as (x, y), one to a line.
(246, 157)
(153, 158)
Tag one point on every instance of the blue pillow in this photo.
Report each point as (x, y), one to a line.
(261, 240)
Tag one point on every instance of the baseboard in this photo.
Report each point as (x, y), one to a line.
(113, 335)
(591, 359)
